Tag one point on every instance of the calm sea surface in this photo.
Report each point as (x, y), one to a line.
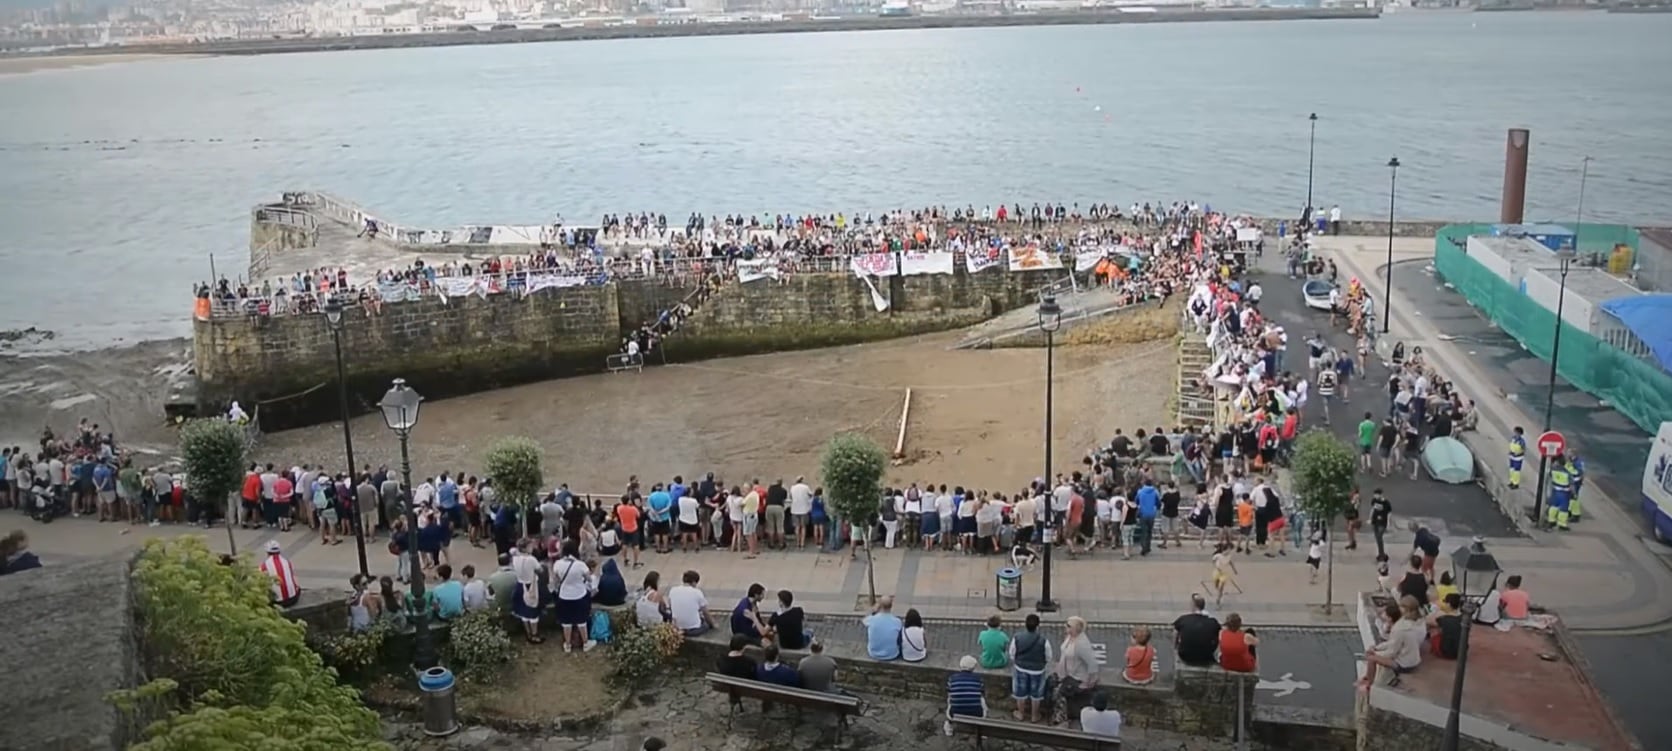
(118, 183)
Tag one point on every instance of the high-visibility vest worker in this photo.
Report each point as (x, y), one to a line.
(1576, 468)
(1561, 493)
(1517, 456)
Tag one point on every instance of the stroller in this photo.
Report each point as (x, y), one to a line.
(44, 504)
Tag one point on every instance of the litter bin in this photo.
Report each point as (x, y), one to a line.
(439, 715)
(1009, 589)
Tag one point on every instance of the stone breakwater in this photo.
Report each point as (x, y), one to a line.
(648, 28)
(471, 344)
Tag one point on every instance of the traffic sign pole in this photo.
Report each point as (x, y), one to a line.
(1550, 444)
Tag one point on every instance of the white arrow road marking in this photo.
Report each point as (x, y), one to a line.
(1284, 686)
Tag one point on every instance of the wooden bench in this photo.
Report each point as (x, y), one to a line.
(842, 705)
(984, 728)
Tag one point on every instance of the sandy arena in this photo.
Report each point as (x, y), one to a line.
(976, 416)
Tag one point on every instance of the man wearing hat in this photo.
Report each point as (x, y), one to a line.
(964, 693)
(285, 589)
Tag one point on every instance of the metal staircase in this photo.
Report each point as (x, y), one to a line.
(1194, 408)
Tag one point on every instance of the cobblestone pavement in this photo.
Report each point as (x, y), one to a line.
(691, 718)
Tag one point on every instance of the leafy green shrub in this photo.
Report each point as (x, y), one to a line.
(240, 672)
(477, 645)
(352, 654)
(641, 652)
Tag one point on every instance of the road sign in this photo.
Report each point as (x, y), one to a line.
(1551, 443)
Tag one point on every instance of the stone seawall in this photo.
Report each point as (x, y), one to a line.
(471, 344)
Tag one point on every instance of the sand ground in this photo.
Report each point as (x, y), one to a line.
(37, 63)
(977, 417)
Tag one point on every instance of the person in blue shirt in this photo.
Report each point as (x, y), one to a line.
(661, 506)
(774, 672)
(1149, 501)
(104, 484)
(449, 594)
(677, 490)
(746, 616)
(882, 631)
(447, 497)
(818, 518)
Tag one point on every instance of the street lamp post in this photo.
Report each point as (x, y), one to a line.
(1050, 320)
(1311, 152)
(400, 412)
(1477, 573)
(334, 316)
(1565, 256)
(1387, 292)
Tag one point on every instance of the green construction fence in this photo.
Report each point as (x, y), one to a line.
(1639, 389)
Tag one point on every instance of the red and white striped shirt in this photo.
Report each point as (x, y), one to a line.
(285, 585)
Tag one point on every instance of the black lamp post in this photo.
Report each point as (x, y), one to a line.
(1311, 152)
(1477, 575)
(1565, 256)
(400, 412)
(1387, 293)
(1050, 320)
(334, 316)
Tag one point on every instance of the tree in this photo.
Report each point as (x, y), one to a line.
(852, 467)
(513, 463)
(213, 451)
(1323, 472)
(238, 671)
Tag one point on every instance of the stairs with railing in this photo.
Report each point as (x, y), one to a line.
(1195, 409)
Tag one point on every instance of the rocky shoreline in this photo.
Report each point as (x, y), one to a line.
(650, 30)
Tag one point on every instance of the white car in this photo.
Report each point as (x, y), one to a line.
(1317, 294)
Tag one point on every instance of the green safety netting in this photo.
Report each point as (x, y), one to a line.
(1637, 388)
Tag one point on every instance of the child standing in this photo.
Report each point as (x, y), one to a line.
(1224, 572)
(1245, 523)
(1314, 556)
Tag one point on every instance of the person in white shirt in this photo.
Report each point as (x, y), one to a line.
(689, 527)
(1098, 719)
(571, 580)
(801, 509)
(1105, 518)
(943, 509)
(1335, 219)
(689, 606)
(734, 514)
(475, 590)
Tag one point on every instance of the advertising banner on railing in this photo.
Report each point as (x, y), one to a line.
(873, 264)
(447, 287)
(1086, 260)
(517, 235)
(537, 282)
(398, 291)
(1031, 256)
(755, 269)
(913, 264)
(981, 259)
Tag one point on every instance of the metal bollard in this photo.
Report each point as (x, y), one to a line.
(440, 715)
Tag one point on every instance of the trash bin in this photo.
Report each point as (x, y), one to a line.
(439, 715)
(1009, 589)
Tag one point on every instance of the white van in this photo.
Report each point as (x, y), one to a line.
(1657, 485)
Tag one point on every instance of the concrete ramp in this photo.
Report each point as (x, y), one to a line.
(1084, 304)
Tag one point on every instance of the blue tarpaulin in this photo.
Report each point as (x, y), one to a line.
(1646, 316)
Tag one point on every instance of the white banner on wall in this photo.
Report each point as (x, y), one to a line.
(759, 268)
(1086, 260)
(537, 282)
(913, 264)
(874, 264)
(877, 300)
(397, 291)
(981, 259)
(1248, 234)
(1030, 257)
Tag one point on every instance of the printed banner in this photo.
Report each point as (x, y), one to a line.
(521, 235)
(913, 264)
(980, 259)
(397, 291)
(759, 268)
(537, 282)
(1248, 235)
(459, 286)
(1032, 257)
(1086, 260)
(873, 264)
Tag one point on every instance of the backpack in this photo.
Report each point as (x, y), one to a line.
(600, 627)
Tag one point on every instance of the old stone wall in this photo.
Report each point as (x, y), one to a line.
(472, 344)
